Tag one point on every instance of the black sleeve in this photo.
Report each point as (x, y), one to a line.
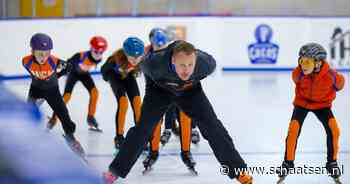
(146, 67)
(74, 60)
(107, 69)
(63, 67)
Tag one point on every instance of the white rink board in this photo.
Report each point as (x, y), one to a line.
(226, 38)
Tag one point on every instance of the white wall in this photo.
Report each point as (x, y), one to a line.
(227, 38)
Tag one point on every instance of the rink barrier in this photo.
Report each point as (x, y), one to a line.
(224, 69)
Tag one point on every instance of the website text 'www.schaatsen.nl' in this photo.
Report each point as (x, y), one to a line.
(301, 170)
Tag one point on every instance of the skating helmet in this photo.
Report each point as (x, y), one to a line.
(98, 43)
(41, 41)
(134, 47)
(158, 37)
(313, 50)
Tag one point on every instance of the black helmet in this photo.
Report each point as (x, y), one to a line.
(313, 50)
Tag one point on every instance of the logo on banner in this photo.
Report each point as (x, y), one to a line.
(340, 47)
(177, 32)
(263, 51)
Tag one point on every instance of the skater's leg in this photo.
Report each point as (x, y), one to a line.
(155, 139)
(69, 86)
(295, 125)
(54, 99)
(155, 103)
(34, 95)
(120, 94)
(185, 132)
(153, 153)
(195, 104)
(332, 130)
(89, 84)
(133, 93)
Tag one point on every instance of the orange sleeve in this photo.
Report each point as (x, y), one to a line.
(296, 73)
(339, 81)
(25, 61)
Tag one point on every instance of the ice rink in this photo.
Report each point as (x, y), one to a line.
(255, 107)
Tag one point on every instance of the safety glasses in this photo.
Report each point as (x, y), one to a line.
(306, 62)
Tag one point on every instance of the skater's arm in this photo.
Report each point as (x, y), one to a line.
(74, 61)
(107, 69)
(339, 81)
(25, 63)
(206, 65)
(146, 67)
(296, 74)
(63, 68)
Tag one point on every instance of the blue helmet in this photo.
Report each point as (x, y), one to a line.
(41, 41)
(134, 47)
(158, 37)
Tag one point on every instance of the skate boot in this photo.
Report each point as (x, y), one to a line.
(245, 179)
(146, 149)
(151, 158)
(334, 171)
(51, 123)
(165, 137)
(188, 160)
(75, 145)
(108, 177)
(195, 137)
(93, 125)
(118, 142)
(283, 171)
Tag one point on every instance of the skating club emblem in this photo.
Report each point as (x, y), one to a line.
(263, 51)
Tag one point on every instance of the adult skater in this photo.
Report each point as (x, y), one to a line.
(173, 77)
(159, 40)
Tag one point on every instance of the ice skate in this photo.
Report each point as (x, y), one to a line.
(283, 171)
(188, 160)
(150, 160)
(93, 125)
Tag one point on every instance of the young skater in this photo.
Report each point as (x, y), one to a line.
(82, 63)
(120, 71)
(316, 85)
(45, 69)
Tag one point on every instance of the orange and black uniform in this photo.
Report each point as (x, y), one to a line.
(315, 93)
(44, 85)
(81, 63)
(122, 79)
(185, 124)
